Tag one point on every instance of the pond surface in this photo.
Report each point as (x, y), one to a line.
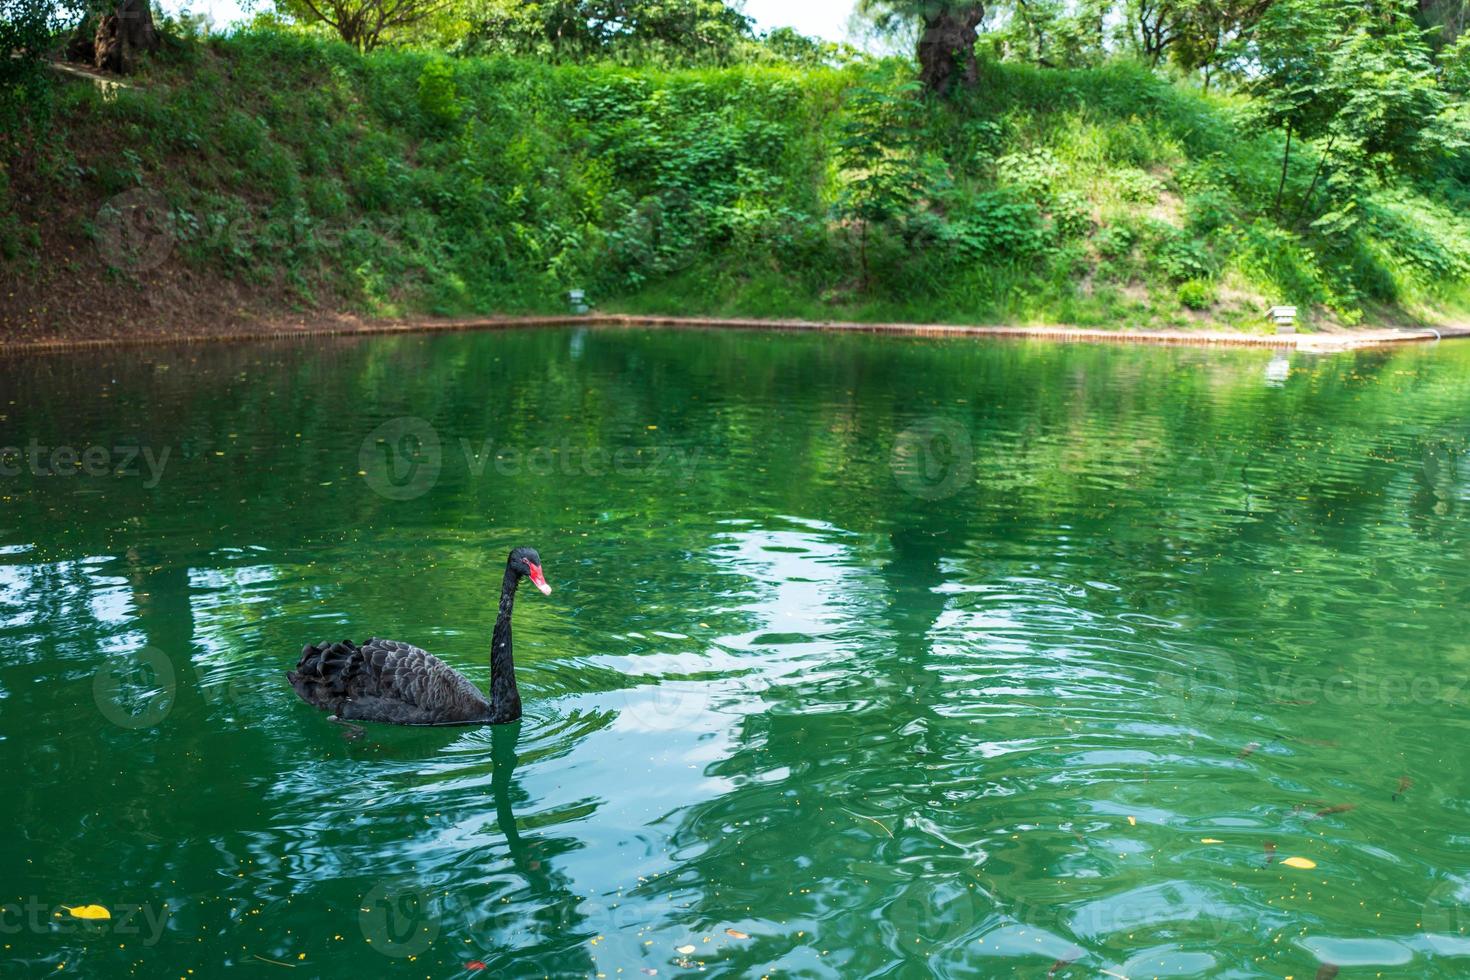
(866, 657)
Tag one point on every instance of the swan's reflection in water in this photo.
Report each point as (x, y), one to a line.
(529, 909)
(540, 916)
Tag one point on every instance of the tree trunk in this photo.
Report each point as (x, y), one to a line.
(947, 48)
(1285, 162)
(123, 35)
(1312, 189)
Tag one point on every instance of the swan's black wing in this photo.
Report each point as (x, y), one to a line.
(389, 681)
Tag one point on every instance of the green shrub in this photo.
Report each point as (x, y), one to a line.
(1277, 260)
(1032, 173)
(1208, 210)
(1071, 215)
(1196, 294)
(438, 95)
(996, 224)
(1177, 256)
(241, 135)
(1115, 241)
(1137, 186)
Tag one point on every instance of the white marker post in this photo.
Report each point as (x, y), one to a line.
(1284, 317)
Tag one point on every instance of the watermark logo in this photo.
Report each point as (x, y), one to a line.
(666, 707)
(397, 918)
(1202, 689)
(937, 913)
(1446, 919)
(1440, 477)
(402, 458)
(135, 230)
(933, 459)
(139, 689)
(135, 690)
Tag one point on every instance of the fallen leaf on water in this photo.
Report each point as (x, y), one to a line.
(1303, 863)
(1326, 971)
(684, 950)
(1059, 965)
(1248, 750)
(1132, 822)
(88, 912)
(475, 965)
(1404, 783)
(1340, 808)
(1210, 840)
(650, 971)
(736, 933)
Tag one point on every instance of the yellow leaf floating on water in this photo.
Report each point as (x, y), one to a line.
(736, 933)
(684, 950)
(1302, 863)
(1210, 840)
(88, 912)
(1132, 822)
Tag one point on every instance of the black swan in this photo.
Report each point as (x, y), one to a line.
(393, 682)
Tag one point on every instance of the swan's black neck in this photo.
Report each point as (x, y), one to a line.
(505, 699)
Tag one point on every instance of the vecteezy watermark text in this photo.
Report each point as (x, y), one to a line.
(403, 459)
(123, 919)
(571, 460)
(1364, 686)
(125, 460)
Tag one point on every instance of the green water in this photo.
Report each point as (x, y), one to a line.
(898, 658)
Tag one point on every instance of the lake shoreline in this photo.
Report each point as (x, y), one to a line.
(345, 326)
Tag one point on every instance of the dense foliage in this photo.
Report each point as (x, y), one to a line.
(28, 29)
(599, 28)
(1312, 151)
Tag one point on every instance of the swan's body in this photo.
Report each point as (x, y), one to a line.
(399, 684)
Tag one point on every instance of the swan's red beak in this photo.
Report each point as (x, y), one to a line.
(538, 580)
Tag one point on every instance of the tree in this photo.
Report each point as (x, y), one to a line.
(1447, 19)
(1195, 34)
(700, 29)
(1053, 33)
(27, 31)
(1205, 30)
(948, 30)
(880, 157)
(1290, 54)
(1359, 80)
(1454, 66)
(27, 28)
(123, 34)
(363, 23)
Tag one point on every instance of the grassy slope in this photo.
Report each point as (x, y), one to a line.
(300, 176)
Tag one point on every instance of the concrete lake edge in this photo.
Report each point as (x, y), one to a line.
(1322, 343)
